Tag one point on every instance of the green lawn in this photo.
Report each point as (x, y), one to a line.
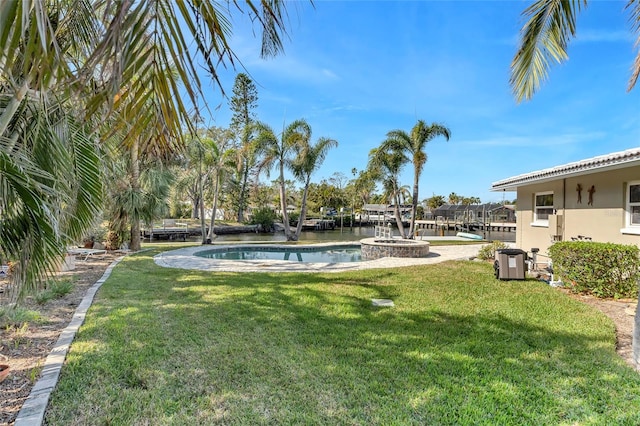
(163, 346)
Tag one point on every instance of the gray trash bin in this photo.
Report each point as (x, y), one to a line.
(510, 264)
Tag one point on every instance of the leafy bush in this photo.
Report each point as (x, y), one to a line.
(602, 269)
(488, 252)
(293, 218)
(264, 217)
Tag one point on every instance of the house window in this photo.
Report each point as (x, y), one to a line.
(543, 207)
(633, 204)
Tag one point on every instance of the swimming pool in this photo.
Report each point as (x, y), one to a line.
(340, 254)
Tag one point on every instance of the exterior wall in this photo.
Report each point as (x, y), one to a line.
(602, 221)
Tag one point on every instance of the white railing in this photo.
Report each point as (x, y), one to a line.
(381, 231)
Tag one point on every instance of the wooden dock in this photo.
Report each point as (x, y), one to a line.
(319, 224)
(459, 225)
(166, 233)
(181, 231)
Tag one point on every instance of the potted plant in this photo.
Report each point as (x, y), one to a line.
(4, 371)
(88, 242)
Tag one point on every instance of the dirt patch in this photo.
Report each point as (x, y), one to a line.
(622, 313)
(26, 348)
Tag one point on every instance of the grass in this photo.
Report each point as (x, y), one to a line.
(163, 346)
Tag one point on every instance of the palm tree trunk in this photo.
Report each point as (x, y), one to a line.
(283, 205)
(203, 226)
(414, 206)
(212, 234)
(303, 210)
(135, 189)
(396, 211)
(243, 190)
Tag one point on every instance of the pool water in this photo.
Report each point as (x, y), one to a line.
(295, 254)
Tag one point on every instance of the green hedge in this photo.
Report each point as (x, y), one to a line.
(602, 269)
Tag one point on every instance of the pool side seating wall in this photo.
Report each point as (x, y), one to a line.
(376, 248)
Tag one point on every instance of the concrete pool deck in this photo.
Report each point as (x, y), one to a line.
(185, 258)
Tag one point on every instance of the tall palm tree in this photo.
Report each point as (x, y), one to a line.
(279, 152)
(309, 158)
(411, 146)
(549, 26)
(218, 144)
(385, 166)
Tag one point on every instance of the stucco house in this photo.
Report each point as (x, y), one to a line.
(597, 198)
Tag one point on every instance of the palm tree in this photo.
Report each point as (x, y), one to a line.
(411, 146)
(66, 69)
(435, 201)
(544, 38)
(273, 152)
(454, 198)
(386, 167)
(309, 158)
(138, 192)
(220, 160)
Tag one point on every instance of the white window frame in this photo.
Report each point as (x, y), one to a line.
(536, 220)
(631, 228)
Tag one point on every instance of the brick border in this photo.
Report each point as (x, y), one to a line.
(33, 409)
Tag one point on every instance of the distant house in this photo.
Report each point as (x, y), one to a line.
(382, 212)
(489, 212)
(597, 198)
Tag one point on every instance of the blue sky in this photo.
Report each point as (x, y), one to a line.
(358, 69)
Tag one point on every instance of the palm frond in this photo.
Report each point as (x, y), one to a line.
(634, 7)
(544, 38)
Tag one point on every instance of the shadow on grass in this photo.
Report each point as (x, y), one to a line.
(169, 346)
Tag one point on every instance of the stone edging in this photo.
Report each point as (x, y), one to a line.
(33, 409)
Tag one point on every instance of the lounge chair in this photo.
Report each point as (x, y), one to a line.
(85, 252)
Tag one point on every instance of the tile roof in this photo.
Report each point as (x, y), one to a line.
(615, 160)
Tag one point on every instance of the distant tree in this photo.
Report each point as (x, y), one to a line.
(435, 201)
(338, 179)
(324, 194)
(467, 201)
(242, 104)
(454, 198)
(365, 186)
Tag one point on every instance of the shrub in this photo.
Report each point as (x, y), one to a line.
(15, 316)
(57, 289)
(293, 218)
(488, 252)
(43, 297)
(602, 269)
(61, 288)
(264, 217)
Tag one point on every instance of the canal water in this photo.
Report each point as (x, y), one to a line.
(347, 234)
